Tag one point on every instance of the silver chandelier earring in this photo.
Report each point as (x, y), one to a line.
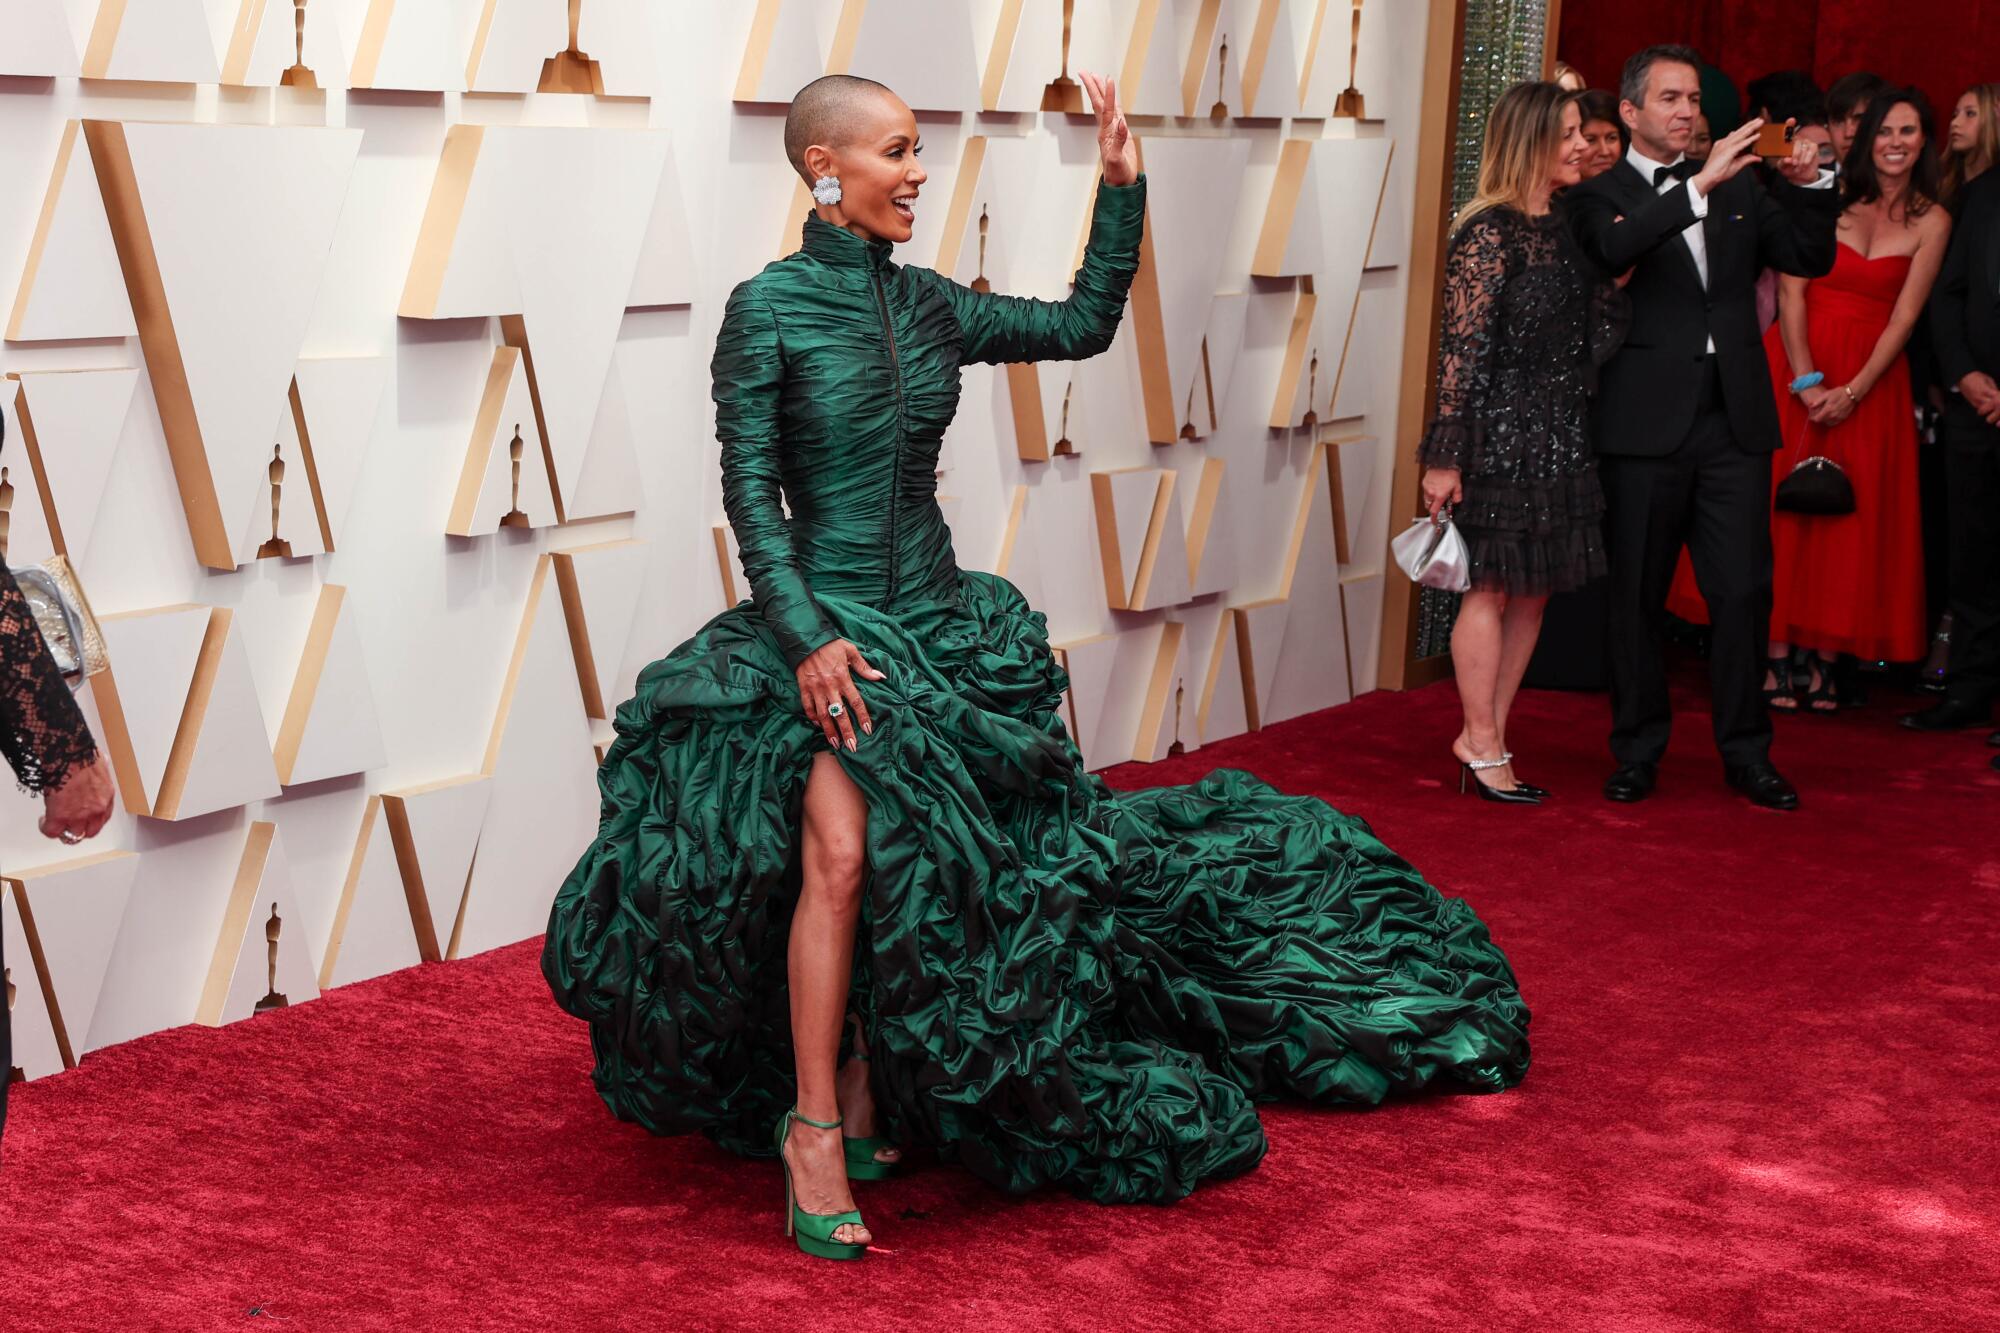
(827, 190)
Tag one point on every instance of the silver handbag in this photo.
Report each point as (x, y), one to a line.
(1433, 554)
(63, 615)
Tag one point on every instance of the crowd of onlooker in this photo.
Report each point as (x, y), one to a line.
(1858, 595)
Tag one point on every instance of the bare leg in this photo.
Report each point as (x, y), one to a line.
(820, 963)
(1520, 626)
(1475, 661)
(857, 1099)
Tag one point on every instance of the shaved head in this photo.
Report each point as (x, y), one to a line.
(826, 112)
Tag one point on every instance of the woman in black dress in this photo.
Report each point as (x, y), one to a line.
(1526, 322)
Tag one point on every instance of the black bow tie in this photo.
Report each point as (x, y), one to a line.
(1679, 171)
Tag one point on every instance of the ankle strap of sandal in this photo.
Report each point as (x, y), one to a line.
(816, 1124)
(1484, 764)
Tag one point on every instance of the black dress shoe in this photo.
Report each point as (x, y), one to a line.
(1950, 716)
(1632, 782)
(1763, 784)
(1994, 739)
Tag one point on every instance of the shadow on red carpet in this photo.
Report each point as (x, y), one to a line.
(1763, 1096)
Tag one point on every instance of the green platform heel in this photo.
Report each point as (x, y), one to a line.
(861, 1161)
(814, 1231)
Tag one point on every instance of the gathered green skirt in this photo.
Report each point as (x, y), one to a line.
(1060, 984)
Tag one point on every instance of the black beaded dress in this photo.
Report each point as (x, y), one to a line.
(1527, 321)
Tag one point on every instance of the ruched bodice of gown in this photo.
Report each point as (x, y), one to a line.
(836, 375)
(1059, 984)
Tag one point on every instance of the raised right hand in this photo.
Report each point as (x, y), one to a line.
(827, 677)
(1980, 391)
(1732, 153)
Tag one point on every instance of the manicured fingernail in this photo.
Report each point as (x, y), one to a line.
(850, 746)
(867, 730)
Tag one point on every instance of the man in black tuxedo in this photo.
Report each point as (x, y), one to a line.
(1965, 332)
(1685, 422)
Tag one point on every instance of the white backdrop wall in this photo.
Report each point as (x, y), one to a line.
(390, 747)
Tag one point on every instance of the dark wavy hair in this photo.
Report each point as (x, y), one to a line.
(1863, 186)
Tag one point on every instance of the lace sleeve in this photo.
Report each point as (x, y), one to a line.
(42, 732)
(1610, 320)
(1474, 276)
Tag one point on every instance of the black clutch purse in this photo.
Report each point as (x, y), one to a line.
(1816, 485)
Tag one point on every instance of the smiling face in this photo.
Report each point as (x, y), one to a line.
(1664, 124)
(1602, 147)
(1897, 144)
(877, 166)
(1965, 124)
(1567, 169)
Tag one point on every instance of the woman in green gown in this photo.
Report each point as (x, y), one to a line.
(852, 885)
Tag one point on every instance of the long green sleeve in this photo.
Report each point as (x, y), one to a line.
(748, 375)
(1018, 328)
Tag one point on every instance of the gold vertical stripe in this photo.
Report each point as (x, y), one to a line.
(305, 684)
(368, 50)
(43, 224)
(235, 923)
(40, 960)
(763, 26)
(180, 759)
(312, 467)
(103, 39)
(348, 888)
(997, 59)
(1197, 61)
(243, 42)
(443, 212)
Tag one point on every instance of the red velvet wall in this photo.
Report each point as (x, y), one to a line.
(1942, 46)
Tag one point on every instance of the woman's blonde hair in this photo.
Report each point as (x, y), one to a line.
(1960, 168)
(1565, 70)
(1523, 131)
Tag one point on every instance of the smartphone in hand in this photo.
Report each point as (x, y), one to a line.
(1775, 141)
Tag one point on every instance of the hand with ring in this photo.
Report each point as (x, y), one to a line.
(831, 698)
(81, 806)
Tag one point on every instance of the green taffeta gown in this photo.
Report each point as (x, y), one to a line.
(1059, 983)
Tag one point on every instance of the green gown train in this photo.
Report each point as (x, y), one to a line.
(1060, 984)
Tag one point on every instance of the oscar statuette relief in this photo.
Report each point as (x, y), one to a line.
(980, 283)
(275, 474)
(514, 518)
(570, 70)
(1180, 695)
(1351, 105)
(1064, 447)
(298, 76)
(1063, 93)
(272, 929)
(1220, 111)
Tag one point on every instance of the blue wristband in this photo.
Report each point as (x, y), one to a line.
(1808, 380)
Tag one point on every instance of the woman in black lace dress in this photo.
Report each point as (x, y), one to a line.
(48, 745)
(1526, 322)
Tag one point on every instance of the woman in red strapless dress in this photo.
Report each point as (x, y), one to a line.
(1853, 583)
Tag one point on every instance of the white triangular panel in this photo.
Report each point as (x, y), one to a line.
(409, 45)
(922, 49)
(1270, 79)
(77, 907)
(510, 42)
(608, 579)
(544, 802)
(331, 727)
(1261, 628)
(1013, 75)
(488, 490)
(1190, 223)
(441, 821)
(79, 418)
(1151, 64)
(243, 971)
(35, 40)
(241, 220)
(1326, 33)
(1208, 31)
(1362, 599)
(577, 222)
(262, 44)
(372, 934)
(1166, 582)
(1312, 662)
(1390, 246)
(786, 50)
(610, 482)
(231, 763)
(666, 272)
(1221, 714)
(71, 286)
(36, 1053)
(1125, 500)
(341, 398)
(1089, 662)
(158, 41)
(1170, 696)
(1292, 235)
(464, 264)
(1221, 345)
(1213, 570)
(153, 656)
(618, 35)
(30, 540)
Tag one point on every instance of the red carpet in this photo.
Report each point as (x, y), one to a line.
(1763, 1096)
